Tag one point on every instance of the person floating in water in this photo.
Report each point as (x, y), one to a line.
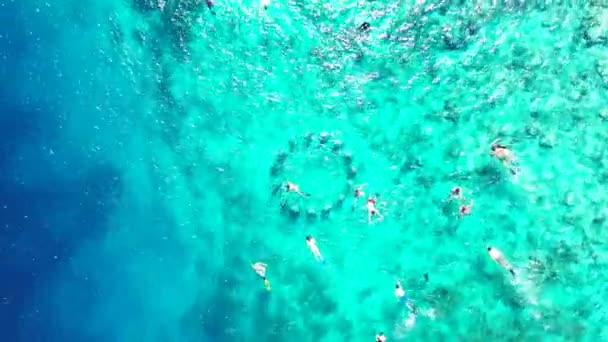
(400, 292)
(267, 284)
(372, 210)
(402, 298)
(456, 193)
(497, 256)
(210, 5)
(380, 337)
(505, 155)
(359, 193)
(312, 245)
(466, 209)
(260, 269)
(265, 4)
(292, 187)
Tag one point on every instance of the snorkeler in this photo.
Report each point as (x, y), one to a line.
(260, 269)
(402, 298)
(312, 245)
(400, 292)
(267, 284)
(292, 187)
(456, 193)
(359, 193)
(505, 155)
(265, 3)
(380, 337)
(466, 209)
(372, 210)
(210, 5)
(497, 256)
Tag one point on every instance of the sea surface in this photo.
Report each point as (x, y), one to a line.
(144, 145)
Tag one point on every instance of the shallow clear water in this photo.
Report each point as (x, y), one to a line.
(145, 142)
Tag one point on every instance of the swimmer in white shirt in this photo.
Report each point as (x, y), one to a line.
(497, 256)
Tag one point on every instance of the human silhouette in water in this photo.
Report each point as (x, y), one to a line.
(210, 5)
(292, 187)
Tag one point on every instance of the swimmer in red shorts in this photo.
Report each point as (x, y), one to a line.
(372, 210)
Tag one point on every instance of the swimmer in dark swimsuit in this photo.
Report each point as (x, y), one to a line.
(380, 337)
(372, 210)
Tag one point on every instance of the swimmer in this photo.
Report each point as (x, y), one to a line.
(312, 245)
(426, 277)
(292, 187)
(466, 209)
(260, 268)
(380, 337)
(265, 3)
(359, 193)
(210, 5)
(456, 193)
(402, 298)
(497, 256)
(506, 156)
(400, 292)
(372, 210)
(267, 284)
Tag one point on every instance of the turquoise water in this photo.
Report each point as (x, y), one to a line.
(146, 142)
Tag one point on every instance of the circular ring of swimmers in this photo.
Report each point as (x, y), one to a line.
(323, 141)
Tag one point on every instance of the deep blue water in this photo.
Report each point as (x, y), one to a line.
(123, 217)
(53, 197)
